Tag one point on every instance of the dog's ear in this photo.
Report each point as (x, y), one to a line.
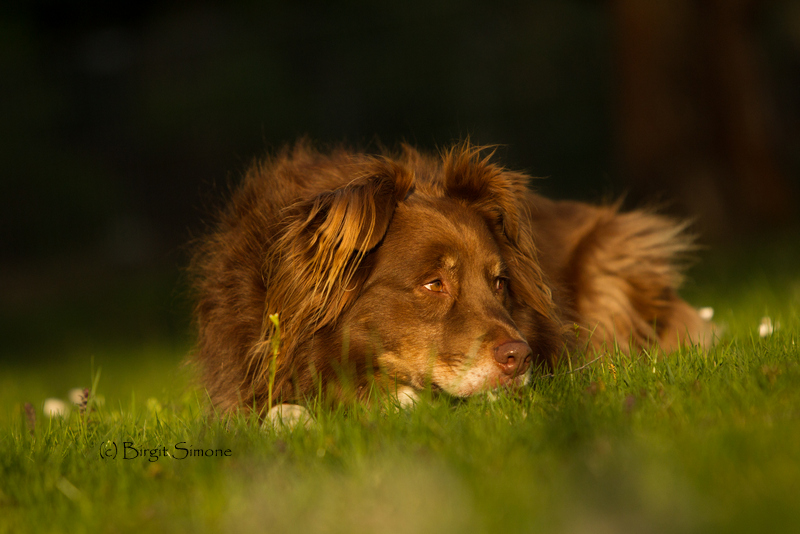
(354, 217)
(496, 193)
(312, 271)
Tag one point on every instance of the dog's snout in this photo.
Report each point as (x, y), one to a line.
(514, 357)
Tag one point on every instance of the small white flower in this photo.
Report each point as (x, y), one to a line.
(766, 328)
(55, 408)
(706, 313)
(75, 396)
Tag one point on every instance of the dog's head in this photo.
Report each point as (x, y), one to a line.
(425, 268)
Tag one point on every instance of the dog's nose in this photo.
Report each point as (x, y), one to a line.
(514, 357)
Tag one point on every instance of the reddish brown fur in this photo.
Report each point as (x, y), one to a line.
(345, 246)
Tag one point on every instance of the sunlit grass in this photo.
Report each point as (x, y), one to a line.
(702, 441)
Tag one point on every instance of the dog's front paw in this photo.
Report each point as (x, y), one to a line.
(288, 416)
(406, 397)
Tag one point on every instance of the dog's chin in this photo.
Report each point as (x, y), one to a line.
(511, 384)
(469, 386)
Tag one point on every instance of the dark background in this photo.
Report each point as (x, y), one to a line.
(123, 123)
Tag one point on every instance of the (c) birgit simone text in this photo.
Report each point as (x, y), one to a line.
(179, 451)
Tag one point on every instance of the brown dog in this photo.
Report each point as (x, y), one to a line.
(413, 271)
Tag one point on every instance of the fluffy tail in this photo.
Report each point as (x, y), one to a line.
(630, 267)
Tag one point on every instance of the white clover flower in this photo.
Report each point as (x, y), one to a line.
(706, 313)
(75, 396)
(55, 408)
(766, 328)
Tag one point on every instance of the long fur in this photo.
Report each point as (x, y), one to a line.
(307, 236)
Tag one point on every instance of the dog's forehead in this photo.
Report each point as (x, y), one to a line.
(457, 229)
(443, 215)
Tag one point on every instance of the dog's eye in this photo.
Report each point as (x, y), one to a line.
(500, 284)
(436, 286)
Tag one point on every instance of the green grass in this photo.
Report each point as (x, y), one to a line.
(698, 442)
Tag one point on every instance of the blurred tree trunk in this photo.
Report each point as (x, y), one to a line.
(695, 118)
